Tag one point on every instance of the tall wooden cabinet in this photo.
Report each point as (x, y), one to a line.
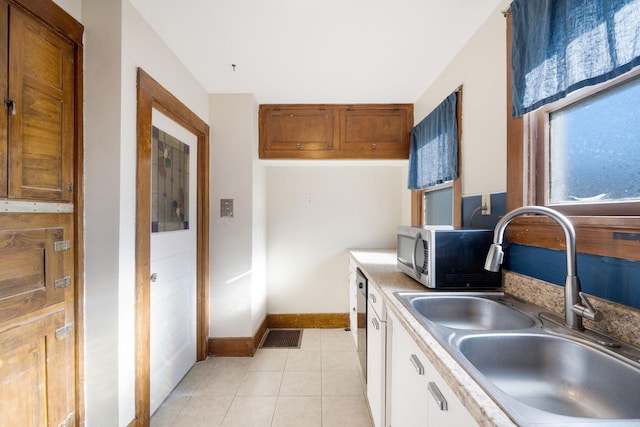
(335, 131)
(40, 258)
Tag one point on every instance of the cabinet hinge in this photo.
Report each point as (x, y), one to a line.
(64, 331)
(62, 283)
(70, 187)
(62, 245)
(67, 421)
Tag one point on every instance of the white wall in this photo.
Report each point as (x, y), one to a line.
(117, 41)
(315, 213)
(238, 286)
(102, 79)
(480, 67)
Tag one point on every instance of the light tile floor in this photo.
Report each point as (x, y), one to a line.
(318, 384)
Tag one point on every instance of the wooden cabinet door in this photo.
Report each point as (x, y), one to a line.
(32, 391)
(37, 341)
(335, 131)
(32, 274)
(293, 131)
(376, 132)
(37, 255)
(41, 132)
(4, 58)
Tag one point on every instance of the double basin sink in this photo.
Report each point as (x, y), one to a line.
(538, 371)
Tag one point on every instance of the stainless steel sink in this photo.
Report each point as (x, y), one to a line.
(539, 371)
(469, 312)
(556, 374)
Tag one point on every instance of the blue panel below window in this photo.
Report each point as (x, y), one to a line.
(472, 216)
(613, 279)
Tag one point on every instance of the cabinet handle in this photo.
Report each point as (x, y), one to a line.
(373, 146)
(375, 324)
(298, 146)
(372, 297)
(417, 364)
(437, 395)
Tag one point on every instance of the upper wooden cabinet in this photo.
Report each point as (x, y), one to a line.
(37, 127)
(335, 131)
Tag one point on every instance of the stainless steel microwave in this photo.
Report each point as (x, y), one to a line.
(448, 258)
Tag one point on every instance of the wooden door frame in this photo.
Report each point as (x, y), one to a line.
(152, 95)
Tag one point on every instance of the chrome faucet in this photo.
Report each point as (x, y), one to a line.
(576, 304)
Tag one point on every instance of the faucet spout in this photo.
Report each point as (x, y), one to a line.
(573, 304)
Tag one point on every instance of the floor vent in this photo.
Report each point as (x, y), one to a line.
(282, 338)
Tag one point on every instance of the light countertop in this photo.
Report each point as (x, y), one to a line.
(380, 268)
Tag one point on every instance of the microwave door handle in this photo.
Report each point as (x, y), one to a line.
(413, 254)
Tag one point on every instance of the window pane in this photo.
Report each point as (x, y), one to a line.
(595, 148)
(438, 207)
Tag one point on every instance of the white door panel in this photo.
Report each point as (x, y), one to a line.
(173, 293)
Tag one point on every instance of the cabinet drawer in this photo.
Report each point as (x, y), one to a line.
(375, 300)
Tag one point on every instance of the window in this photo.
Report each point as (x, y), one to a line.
(579, 156)
(442, 202)
(588, 151)
(438, 205)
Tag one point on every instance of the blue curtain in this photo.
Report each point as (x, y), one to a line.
(562, 45)
(433, 157)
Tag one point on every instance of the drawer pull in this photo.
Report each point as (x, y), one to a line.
(298, 146)
(417, 364)
(375, 324)
(372, 297)
(437, 395)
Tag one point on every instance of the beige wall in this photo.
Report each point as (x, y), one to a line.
(480, 67)
(238, 283)
(315, 212)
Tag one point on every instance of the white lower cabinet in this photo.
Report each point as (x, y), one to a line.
(376, 358)
(417, 394)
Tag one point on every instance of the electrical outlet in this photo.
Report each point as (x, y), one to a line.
(486, 204)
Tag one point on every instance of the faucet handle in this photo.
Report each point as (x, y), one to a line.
(587, 310)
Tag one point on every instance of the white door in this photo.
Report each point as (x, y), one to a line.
(173, 258)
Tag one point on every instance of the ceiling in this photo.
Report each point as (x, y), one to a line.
(312, 51)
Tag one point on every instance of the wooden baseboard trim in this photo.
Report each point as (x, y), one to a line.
(257, 337)
(308, 320)
(247, 346)
(237, 346)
